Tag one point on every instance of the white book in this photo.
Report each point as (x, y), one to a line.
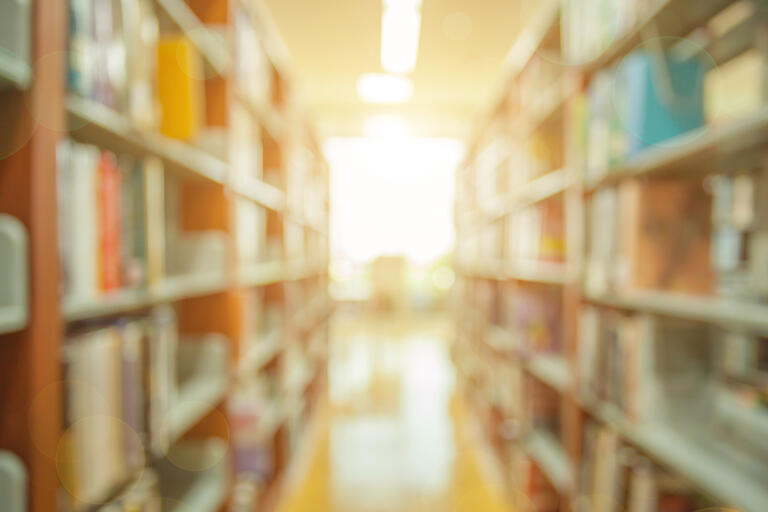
(84, 217)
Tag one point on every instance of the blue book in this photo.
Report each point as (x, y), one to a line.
(655, 108)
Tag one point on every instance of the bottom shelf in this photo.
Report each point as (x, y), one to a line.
(194, 477)
(712, 472)
(548, 454)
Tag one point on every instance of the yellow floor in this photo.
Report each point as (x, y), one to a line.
(394, 436)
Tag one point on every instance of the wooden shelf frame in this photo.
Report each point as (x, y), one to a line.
(43, 113)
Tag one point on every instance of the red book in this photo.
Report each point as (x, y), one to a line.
(110, 222)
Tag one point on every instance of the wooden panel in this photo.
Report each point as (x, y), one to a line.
(30, 372)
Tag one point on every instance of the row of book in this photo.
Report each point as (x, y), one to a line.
(537, 233)
(589, 27)
(614, 478)
(120, 385)
(690, 236)
(505, 164)
(132, 389)
(113, 55)
(642, 102)
(111, 220)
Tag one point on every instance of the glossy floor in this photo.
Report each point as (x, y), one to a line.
(394, 436)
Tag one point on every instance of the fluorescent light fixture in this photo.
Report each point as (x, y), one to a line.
(380, 88)
(400, 27)
(386, 126)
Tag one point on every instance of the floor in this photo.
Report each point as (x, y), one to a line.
(394, 436)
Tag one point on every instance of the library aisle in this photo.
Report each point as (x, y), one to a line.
(396, 435)
(383, 255)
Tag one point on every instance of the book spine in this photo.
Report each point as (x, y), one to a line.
(110, 216)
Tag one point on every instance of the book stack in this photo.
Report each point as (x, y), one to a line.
(739, 238)
(111, 55)
(616, 362)
(108, 213)
(120, 381)
(652, 235)
(614, 478)
(536, 311)
(590, 27)
(635, 106)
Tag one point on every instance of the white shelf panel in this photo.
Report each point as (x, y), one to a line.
(14, 71)
(539, 272)
(707, 470)
(664, 20)
(14, 275)
(211, 43)
(710, 149)
(262, 193)
(551, 369)
(539, 189)
(263, 351)
(170, 289)
(195, 476)
(13, 482)
(712, 310)
(93, 123)
(551, 458)
(261, 274)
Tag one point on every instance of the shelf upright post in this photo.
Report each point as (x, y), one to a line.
(30, 374)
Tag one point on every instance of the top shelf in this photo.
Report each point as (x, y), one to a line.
(669, 18)
(708, 150)
(93, 123)
(211, 44)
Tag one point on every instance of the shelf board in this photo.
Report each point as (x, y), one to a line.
(268, 115)
(551, 458)
(93, 123)
(196, 491)
(298, 270)
(710, 310)
(529, 42)
(263, 350)
(262, 193)
(195, 399)
(664, 20)
(211, 44)
(539, 189)
(706, 470)
(499, 338)
(711, 149)
(539, 272)
(261, 274)
(171, 289)
(14, 275)
(552, 369)
(14, 71)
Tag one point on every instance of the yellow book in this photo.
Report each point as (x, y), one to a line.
(179, 87)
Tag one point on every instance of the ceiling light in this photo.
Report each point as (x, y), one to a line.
(400, 27)
(379, 88)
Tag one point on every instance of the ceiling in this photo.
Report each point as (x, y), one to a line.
(461, 51)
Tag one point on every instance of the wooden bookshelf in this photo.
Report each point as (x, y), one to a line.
(500, 286)
(289, 276)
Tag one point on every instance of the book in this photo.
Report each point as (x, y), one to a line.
(179, 87)
(110, 218)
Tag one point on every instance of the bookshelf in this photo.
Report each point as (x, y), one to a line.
(13, 298)
(600, 384)
(211, 298)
